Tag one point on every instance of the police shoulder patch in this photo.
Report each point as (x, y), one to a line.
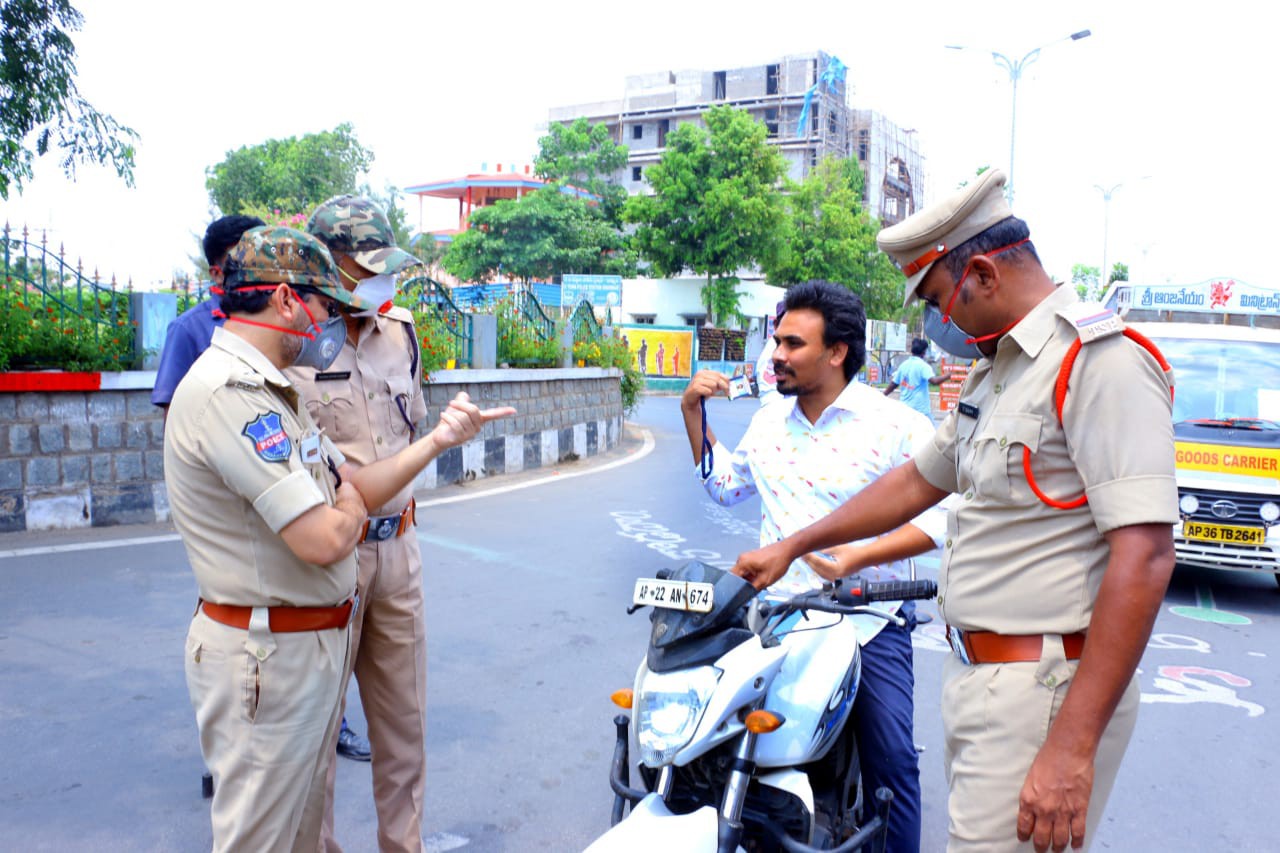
(1092, 321)
(268, 437)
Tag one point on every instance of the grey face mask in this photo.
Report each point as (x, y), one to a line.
(949, 337)
(325, 342)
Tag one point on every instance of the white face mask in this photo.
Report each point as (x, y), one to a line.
(378, 289)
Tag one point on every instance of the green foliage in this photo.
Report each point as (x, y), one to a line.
(438, 337)
(584, 155)
(826, 234)
(39, 99)
(611, 351)
(521, 341)
(293, 174)
(716, 206)
(1119, 272)
(1085, 278)
(544, 234)
(722, 300)
(39, 331)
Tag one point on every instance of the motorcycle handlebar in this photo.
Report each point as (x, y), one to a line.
(858, 591)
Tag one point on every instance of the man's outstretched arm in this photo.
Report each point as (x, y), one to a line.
(886, 504)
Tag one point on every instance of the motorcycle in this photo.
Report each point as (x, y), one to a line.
(740, 715)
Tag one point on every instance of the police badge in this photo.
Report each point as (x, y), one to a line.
(268, 437)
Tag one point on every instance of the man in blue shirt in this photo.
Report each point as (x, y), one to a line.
(187, 337)
(914, 376)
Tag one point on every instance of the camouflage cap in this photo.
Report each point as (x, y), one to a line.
(356, 226)
(273, 254)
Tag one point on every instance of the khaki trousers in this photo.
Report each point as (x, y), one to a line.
(389, 653)
(995, 718)
(266, 704)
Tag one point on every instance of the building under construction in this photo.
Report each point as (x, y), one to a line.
(802, 100)
(892, 164)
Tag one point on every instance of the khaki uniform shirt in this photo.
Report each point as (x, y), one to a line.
(1011, 564)
(234, 448)
(366, 400)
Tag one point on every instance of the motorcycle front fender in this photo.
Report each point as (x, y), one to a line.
(652, 826)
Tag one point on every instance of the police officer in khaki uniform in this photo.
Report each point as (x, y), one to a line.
(369, 402)
(1059, 545)
(270, 514)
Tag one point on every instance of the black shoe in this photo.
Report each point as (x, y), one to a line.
(351, 745)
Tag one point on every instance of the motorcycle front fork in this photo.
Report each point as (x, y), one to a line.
(735, 794)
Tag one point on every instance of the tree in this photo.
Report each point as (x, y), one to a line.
(544, 234)
(1119, 272)
(1085, 278)
(40, 104)
(826, 234)
(584, 155)
(292, 174)
(716, 206)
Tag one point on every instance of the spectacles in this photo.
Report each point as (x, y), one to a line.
(332, 306)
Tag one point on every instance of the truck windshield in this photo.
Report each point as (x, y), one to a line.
(1229, 381)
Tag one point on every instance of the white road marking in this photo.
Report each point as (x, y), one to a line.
(441, 841)
(89, 546)
(644, 451)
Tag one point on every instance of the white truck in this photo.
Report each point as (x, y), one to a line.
(1222, 338)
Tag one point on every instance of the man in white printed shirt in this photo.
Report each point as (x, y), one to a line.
(805, 456)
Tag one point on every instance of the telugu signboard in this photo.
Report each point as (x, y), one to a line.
(602, 291)
(1227, 295)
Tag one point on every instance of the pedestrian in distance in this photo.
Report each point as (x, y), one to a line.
(914, 376)
(1059, 545)
(270, 512)
(825, 440)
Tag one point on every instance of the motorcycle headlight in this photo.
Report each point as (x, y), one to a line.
(668, 709)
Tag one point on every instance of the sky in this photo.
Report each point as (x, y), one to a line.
(1166, 104)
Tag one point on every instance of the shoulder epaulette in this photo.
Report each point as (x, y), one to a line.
(396, 312)
(1092, 321)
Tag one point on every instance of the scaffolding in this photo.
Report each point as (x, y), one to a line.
(894, 169)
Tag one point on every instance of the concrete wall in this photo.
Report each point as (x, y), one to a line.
(96, 458)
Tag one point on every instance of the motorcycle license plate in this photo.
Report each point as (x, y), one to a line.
(1224, 533)
(674, 595)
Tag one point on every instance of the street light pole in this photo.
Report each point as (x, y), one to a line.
(1106, 228)
(1015, 74)
(1106, 231)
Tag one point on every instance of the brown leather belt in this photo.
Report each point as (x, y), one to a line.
(283, 620)
(987, 647)
(379, 528)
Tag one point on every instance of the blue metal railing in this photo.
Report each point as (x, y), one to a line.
(440, 321)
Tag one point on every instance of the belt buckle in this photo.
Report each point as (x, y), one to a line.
(381, 529)
(956, 638)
